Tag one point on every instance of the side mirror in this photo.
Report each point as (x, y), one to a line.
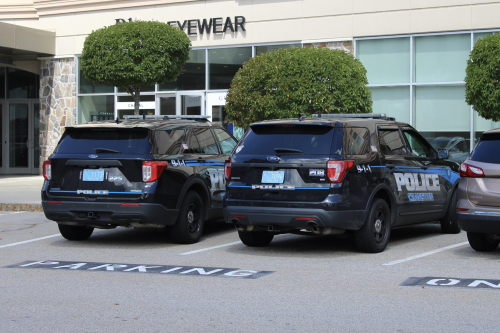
(443, 154)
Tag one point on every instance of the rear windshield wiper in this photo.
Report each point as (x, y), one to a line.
(106, 150)
(287, 150)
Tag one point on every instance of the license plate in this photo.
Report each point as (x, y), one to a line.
(93, 175)
(273, 177)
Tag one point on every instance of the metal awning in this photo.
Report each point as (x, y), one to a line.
(19, 43)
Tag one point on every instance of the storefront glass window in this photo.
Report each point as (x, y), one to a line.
(479, 35)
(224, 63)
(393, 101)
(89, 87)
(386, 60)
(22, 84)
(443, 118)
(441, 58)
(270, 48)
(481, 125)
(143, 89)
(94, 108)
(192, 76)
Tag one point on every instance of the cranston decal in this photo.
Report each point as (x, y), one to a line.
(452, 282)
(144, 269)
(420, 197)
(417, 181)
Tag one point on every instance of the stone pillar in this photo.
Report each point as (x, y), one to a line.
(346, 46)
(57, 102)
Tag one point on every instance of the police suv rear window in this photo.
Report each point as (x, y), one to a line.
(487, 149)
(104, 141)
(306, 139)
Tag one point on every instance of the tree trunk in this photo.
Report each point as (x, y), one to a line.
(135, 92)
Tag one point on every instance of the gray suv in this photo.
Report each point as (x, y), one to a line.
(478, 206)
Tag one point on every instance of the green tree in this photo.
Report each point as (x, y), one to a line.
(135, 54)
(482, 89)
(284, 83)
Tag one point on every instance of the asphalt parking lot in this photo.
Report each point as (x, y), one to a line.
(132, 280)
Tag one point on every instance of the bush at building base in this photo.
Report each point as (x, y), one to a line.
(135, 54)
(284, 83)
(482, 88)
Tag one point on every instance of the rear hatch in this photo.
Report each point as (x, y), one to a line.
(100, 163)
(485, 190)
(282, 162)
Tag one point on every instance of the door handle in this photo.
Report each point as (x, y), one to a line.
(390, 166)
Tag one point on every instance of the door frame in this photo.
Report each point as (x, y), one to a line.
(215, 99)
(157, 101)
(178, 100)
(4, 130)
(33, 138)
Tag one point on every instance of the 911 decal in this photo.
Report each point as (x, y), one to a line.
(363, 168)
(177, 163)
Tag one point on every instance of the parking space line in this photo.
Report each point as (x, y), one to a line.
(209, 248)
(29, 241)
(14, 213)
(424, 254)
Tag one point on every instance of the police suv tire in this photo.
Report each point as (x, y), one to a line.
(75, 232)
(482, 242)
(189, 225)
(449, 223)
(374, 234)
(255, 238)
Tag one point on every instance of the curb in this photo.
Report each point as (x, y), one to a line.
(17, 207)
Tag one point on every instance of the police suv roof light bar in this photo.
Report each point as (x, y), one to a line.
(354, 115)
(161, 117)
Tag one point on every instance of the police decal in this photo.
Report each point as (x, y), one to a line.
(417, 181)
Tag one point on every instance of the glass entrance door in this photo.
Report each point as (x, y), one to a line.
(190, 103)
(3, 137)
(21, 138)
(166, 104)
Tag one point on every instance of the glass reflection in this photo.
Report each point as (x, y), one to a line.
(224, 63)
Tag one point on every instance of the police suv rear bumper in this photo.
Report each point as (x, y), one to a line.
(294, 218)
(104, 214)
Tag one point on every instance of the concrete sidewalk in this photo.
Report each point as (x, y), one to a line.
(21, 193)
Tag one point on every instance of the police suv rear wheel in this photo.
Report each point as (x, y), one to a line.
(482, 242)
(449, 224)
(374, 234)
(189, 225)
(255, 238)
(75, 232)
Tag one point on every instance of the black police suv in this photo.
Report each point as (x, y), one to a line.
(329, 174)
(144, 173)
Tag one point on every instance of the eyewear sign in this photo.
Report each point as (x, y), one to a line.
(215, 25)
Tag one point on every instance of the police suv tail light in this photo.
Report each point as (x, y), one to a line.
(227, 169)
(47, 170)
(151, 170)
(467, 170)
(336, 170)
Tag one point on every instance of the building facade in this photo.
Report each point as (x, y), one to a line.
(415, 53)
